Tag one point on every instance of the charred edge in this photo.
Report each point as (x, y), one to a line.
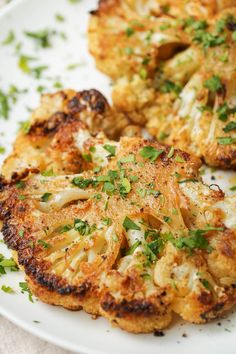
(38, 271)
(213, 312)
(48, 127)
(91, 99)
(10, 234)
(133, 307)
(15, 177)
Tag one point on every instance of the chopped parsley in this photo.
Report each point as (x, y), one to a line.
(226, 140)
(25, 289)
(194, 180)
(2, 150)
(171, 152)
(132, 248)
(128, 224)
(81, 182)
(83, 227)
(44, 244)
(42, 38)
(129, 31)
(9, 38)
(213, 84)
(45, 198)
(169, 86)
(7, 289)
(111, 149)
(65, 228)
(179, 159)
(150, 153)
(229, 127)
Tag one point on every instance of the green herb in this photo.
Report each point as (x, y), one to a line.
(143, 74)
(220, 25)
(9, 38)
(129, 31)
(133, 248)
(150, 153)
(42, 38)
(128, 224)
(4, 105)
(195, 240)
(23, 63)
(21, 233)
(167, 219)
(206, 284)
(111, 149)
(127, 159)
(21, 197)
(48, 173)
(25, 127)
(44, 244)
(20, 185)
(128, 51)
(25, 289)
(233, 188)
(65, 228)
(107, 221)
(213, 84)
(169, 86)
(171, 152)
(45, 198)
(59, 18)
(125, 187)
(87, 157)
(35, 321)
(163, 136)
(229, 127)
(82, 182)
(179, 159)
(2, 150)
(7, 289)
(194, 180)
(83, 227)
(223, 112)
(226, 140)
(108, 187)
(234, 36)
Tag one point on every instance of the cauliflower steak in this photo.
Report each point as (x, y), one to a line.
(136, 236)
(173, 70)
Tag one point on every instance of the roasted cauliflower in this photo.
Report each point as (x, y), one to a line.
(133, 234)
(173, 70)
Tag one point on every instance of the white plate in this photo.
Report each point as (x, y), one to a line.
(76, 331)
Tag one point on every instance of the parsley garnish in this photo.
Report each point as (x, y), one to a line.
(25, 288)
(213, 84)
(128, 224)
(229, 127)
(82, 182)
(45, 198)
(44, 244)
(133, 248)
(83, 227)
(150, 153)
(7, 289)
(226, 140)
(110, 148)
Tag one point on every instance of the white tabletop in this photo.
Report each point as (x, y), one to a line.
(14, 340)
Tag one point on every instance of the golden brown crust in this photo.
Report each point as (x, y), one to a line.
(161, 85)
(72, 244)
